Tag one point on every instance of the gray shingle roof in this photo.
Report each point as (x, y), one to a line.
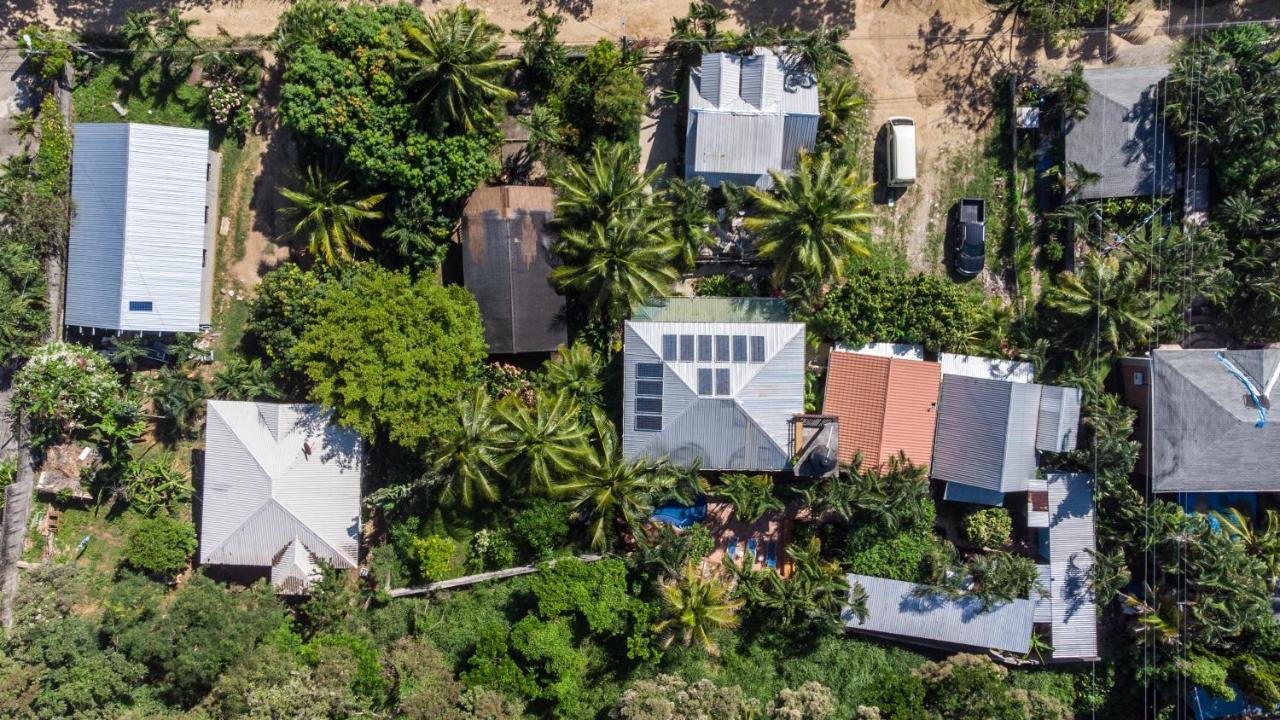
(894, 609)
(1124, 138)
(748, 115)
(1203, 434)
(506, 264)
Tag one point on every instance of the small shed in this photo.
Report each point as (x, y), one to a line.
(1124, 139)
(506, 264)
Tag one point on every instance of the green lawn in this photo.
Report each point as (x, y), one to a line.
(101, 555)
(971, 174)
(183, 107)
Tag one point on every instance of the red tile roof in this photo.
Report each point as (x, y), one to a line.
(885, 405)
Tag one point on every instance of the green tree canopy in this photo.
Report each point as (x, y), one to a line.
(454, 67)
(390, 354)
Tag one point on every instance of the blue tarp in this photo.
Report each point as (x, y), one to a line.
(680, 516)
(1206, 706)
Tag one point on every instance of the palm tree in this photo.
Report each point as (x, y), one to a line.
(697, 33)
(328, 217)
(691, 218)
(694, 608)
(819, 50)
(456, 69)
(615, 264)
(751, 496)
(611, 489)
(468, 457)
(606, 187)
(544, 126)
(542, 442)
(892, 496)
(814, 593)
(24, 126)
(158, 484)
(1107, 295)
(178, 397)
(813, 221)
(240, 380)
(843, 107)
(1264, 544)
(575, 371)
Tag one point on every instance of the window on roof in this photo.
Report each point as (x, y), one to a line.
(668, 347)
(722, 381)
(651, 371)
(757, 348)
(140, 306)
(704, 348)
(739, 348)
(722, 348)
(704, 381)
(649, 387)
(686, 348)
(649, 423)
(649, 405)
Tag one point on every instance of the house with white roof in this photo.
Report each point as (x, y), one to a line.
(281, 491)
(716, 381)
(140, 256)
(748, 114)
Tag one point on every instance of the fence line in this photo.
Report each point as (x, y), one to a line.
(481, 577)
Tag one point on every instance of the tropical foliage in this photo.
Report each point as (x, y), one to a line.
(327, 217)
(880, 307)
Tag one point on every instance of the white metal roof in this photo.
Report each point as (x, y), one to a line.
(295, 570)
(138, 229)
(890, 350)
(1071, 539)
(276, 475)
(989, 368)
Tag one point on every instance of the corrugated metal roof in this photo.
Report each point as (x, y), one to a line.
(745, 429)
(1203, 425)
(959, 492)
(990, 368)
(897, 609)
(986, 433)
(1124, 137)
(1071, 539)
(276, 474)
(294, 572)
(712, 310)
(506, 264)
(885, 405)
(748, 115)
(138, 230)
(1058, 424)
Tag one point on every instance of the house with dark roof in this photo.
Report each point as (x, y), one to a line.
(886, 404)
(1204, 419)
(281, 491)
(989, 431)
(1123, 139)
(141, 249)
(713, 381)
(748, 114)
(506, 264)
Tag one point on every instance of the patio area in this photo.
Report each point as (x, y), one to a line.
(762, 543)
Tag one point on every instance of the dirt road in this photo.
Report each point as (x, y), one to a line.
(932, 60)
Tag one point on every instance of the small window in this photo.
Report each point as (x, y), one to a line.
(139, 306)
(1139, 378)
(668, 347)
(651, 371)
(757, 348)
(649, 405)
(686, 348)
(722, 349)
(649, 423)
(649, 387)
(722, 381)
(704, 348)
(704, 381)
(739, 348)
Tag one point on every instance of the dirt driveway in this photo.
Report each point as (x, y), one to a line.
(932, 60)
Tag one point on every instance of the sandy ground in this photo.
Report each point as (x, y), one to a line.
(932, 60)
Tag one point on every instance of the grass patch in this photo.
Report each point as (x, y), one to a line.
(231, 322)
(976, 174)
(100, 558)
(145, 100)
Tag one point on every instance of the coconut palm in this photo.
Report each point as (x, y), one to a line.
(544, 127)
(891, 496)
(576, 371)
(694, 607)
(1108, 295)
(843, 108)
(240, 380)
(610, 489)
(455, 67)
(607, 186)
(813, 221)
(691, 218)
(819, 50)
(178, 397)
(815, 592)
(1264, 543)
(751, 496)
(614, 264)
(697, 32)
(468, 456)
(544, 441)
(328, 217)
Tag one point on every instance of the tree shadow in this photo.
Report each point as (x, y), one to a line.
(577, 9)
(279, 159)
(798, 14)
(84, 16)
(962, 62)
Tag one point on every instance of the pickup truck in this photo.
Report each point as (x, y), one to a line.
(969, 236)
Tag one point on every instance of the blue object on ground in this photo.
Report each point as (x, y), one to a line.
(681, 516)
(733, 548)
(771, 554)
(751, 549)
(1194, 503)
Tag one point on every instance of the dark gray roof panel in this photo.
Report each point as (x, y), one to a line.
(1124, 138)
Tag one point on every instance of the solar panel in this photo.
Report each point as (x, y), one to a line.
(649, 422)
(652, 371)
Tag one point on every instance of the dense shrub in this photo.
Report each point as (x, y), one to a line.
(542, 528)
(602, 99)
(971, 686)
(722, 286)
(434, 555)
(283, 308)
(990, 527)
(63, 388)
(880, 307)
(53, 159)
(160, 546)
(491, 550)
(897, 556)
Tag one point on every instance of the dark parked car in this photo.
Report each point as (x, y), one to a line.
(969, 237)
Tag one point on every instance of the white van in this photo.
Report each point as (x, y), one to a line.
(900, 151)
